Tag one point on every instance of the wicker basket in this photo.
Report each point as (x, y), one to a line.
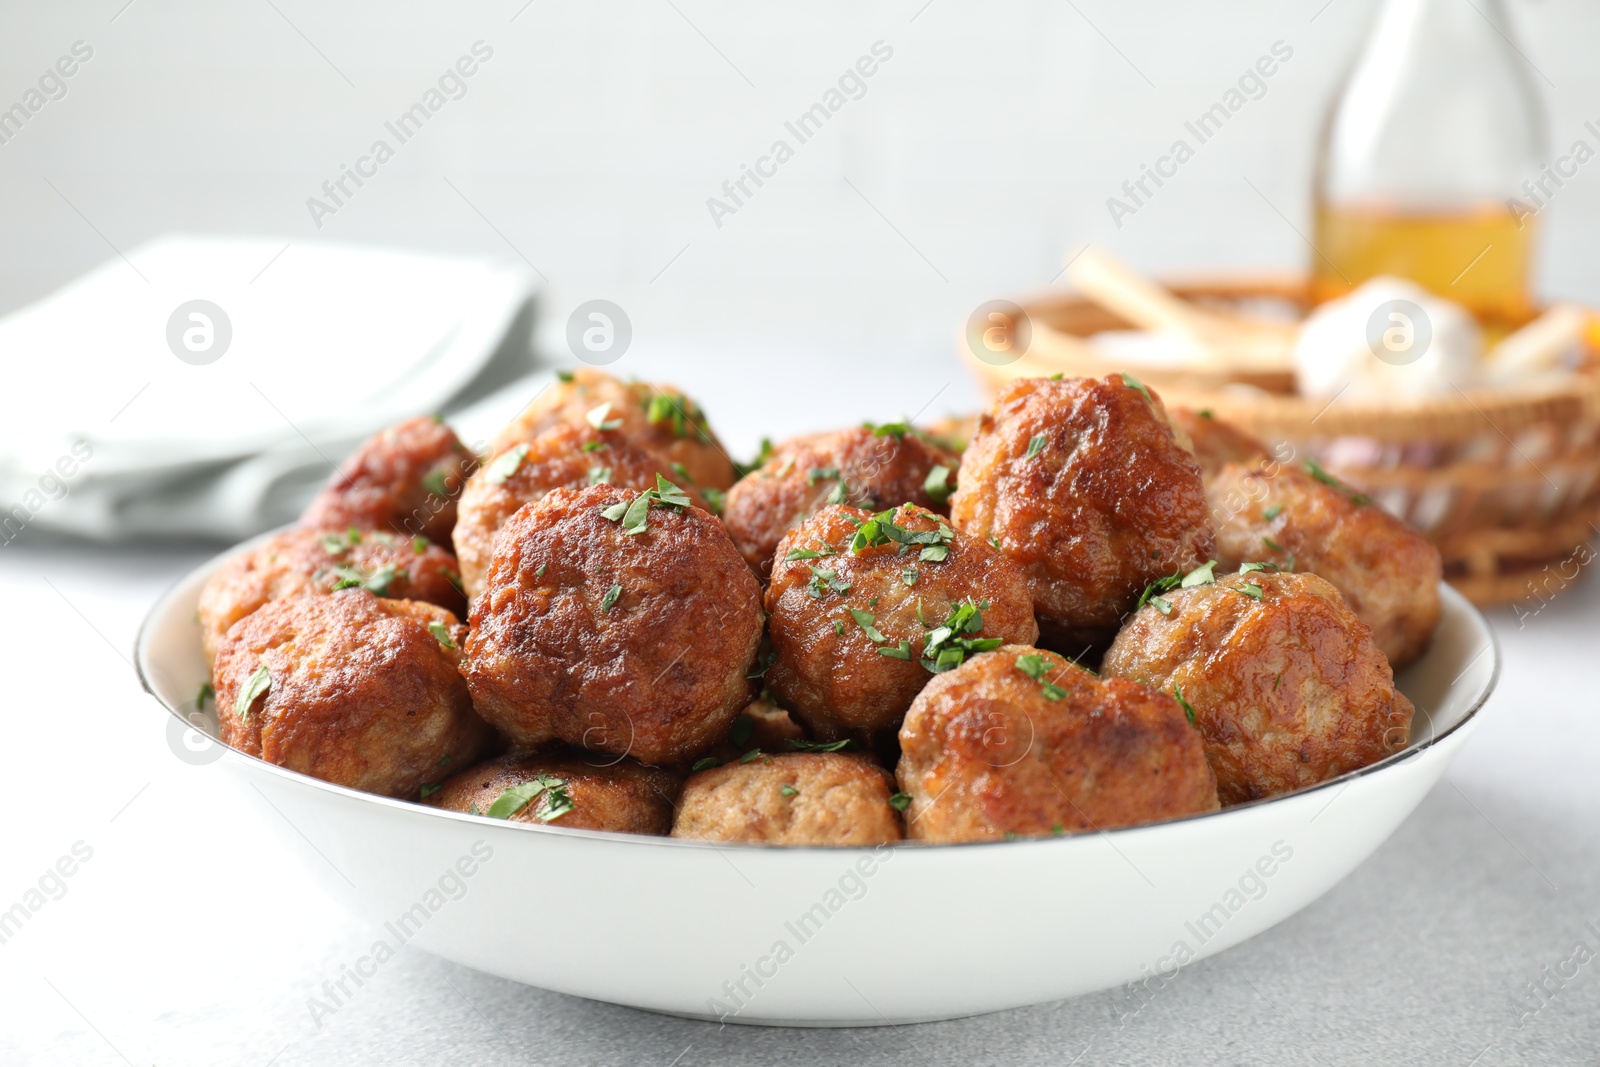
(1505, 482)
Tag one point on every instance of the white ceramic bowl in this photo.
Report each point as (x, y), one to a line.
(838, 937)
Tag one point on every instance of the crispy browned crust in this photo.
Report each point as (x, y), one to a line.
(306, 562)
(362, 693)
(556, 459)
(1387, 570)
(837, 800)
(985, 753)
(839, 683)
(1287, 691)
(876, 471)
(681, 434)
(660, 675)
(393, 480)
(1216, 443)
(1111, 502)
(607, 792)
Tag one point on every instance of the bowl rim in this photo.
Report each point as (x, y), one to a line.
(647, 840)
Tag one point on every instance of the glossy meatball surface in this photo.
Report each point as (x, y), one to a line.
(560, 787)
(350, 688)
(403, 479)
(1387, 570)
(1020, 741)
(656, 416)
(1287, 687)
(1216, 443)
(301, 562)
(563, 457)
(801, 798)
(1083, 485)
(634, 643)
(861, 466)
(865, 609)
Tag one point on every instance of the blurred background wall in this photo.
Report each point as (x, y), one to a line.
(980, 155)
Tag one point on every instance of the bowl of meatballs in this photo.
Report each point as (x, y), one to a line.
(892, 723)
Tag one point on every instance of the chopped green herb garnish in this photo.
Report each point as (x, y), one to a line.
(599, 475)
(1270, 543)
(751, 756)
(635, 513)
(897, 430)
(796, 554)
(789, 791)
(949, 644)
(681, 471)
(1036, 445)
(597, 417)
(434, 483)
(506, 465)
(1276, 680)
(865, 620)
(441, 633)
(909, 576)
(1316, 471)
(513, 800)
(1161, 604)
(337, 544)
(428, 791)
(540, 572)
(715, 499)
(1273, 512)
(821, 746)
(258, 682)
(838, 494)
(900, 651)
(1133, 383)
(763, 663)
(594, 446)
(610, 599)
(377, 582)
(419, 544)
(838, 627)
(1201, 575)
(206, 693)
(705, 763)
(760, 460)
(564, 375)
(1188, 709)
(900, 801)
(1250, 589)
(937, 484)
(1035, 666)
(817, 474)
(822, 581)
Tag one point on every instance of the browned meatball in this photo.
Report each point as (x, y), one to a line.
(864, 610)
(657, 417)
(616, 624)
(1388, 571)
(350, 688)
(866, 467)
(761, 725)
(1285, 683)
(1216, 443)
(300, 562)
(583, 790)
(802, 798)
(1019, 741)
(1082, 484)
(403, 479)
(565, 456)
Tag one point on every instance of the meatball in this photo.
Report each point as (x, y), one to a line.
(868, 467)
(350, 688)
(1019, 741)
(1388, 571)
(1285, 683)
(1216, 443)
(564, 456)
(656, 417)
(579, 789)
(761, 725)
(864, 609)
(300, 562)
(801, 798)
(615, 620)
(403, 479)
(1082, 484)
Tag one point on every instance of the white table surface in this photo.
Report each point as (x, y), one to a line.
(192, 935)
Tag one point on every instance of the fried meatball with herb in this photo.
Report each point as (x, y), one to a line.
(564, 456)
(1285, 683)
(1306, 520)
(866, 467)
(800, 798)
(1021, 742)
(620, 621)
(865, 609)
(1216, 443)
(300, 562)
(1082, 483)
(350, 688)
(657, 417)
(403, 479)
(582, 790)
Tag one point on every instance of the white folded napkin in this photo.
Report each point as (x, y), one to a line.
(115, 426)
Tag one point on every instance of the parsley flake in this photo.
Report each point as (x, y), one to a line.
(821, 746)
(608, 601)
(865, 620)
(1250, 589)
(822, 581)
(1188, 709)
(900, 801)
(337, 544)
(1201, 575)
(434, 483)
(909, 576)
(564, 375)
(441, 633)
(506, 465)
(419, 544)
(1273, 512)
(206, 693)
(1036, 445)
(796, 554)
(937, 484)
(789, 791)
(900, 651)
(949, 644)
(597, 418)
(817, 474)
(258, 682)
(557, 801)
(705, 763)
(1133, 383)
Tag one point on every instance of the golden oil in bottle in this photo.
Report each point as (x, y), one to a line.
(1479, 258)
